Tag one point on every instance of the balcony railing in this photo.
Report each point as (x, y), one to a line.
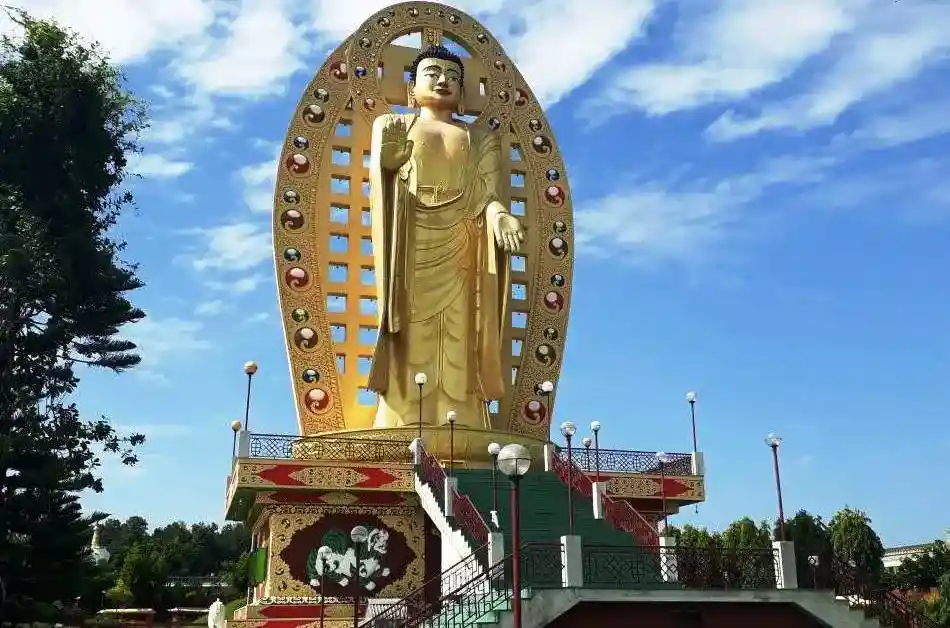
(620, 461)
(609, 567)
(282, 447)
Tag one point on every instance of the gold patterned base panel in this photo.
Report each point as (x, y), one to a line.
(688, 488)
(298, 530)
(468, 446)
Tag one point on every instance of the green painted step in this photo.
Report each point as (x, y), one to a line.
(544, 513)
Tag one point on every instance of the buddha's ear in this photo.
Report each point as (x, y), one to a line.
(410, 96)
(461, 105)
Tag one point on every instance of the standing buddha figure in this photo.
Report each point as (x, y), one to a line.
(441, 246)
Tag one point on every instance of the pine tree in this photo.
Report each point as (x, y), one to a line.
(66, 126)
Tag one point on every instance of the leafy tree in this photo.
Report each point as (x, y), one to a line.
(143, 573)
(925, 570)
(238, 572)
(66, 126)
(745, 534)
(855, 542)
(812, 541)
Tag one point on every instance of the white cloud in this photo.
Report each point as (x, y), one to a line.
(894, 43)
(235, 247)
(734, 50)
(243, 285)
(673, 221)
(259, 180)
(262, 48)
(596, 35)
(259, 317)
(210, 308)
(917, 122)
(159, 339)
(158, 166)
(130, 29)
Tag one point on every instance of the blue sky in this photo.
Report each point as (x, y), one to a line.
(762, 207)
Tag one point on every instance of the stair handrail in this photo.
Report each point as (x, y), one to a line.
(466, 515)
(618, 512)
(493, 580)
(452, 579)
(879, 601)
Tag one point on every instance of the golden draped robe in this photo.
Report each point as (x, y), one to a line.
(442, 284)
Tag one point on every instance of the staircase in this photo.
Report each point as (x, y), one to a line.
(544, 514)
(464, 532)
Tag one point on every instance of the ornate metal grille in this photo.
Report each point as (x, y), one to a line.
(619, 461)
(328, 448)
(610, 567)
(618, 512)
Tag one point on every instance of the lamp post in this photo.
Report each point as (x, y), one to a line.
(514, 460)
(663, 459)
(358, 535)
(450, 416)
(773, 441)
(691, 400)
(493, 450)
(595, 428)
(235, 428)
(249, 369)
(322, 554)
(586, 441)
(420, 382)
(568, 430)
(546, 388)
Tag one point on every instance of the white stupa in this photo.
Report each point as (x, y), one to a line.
(100, 554)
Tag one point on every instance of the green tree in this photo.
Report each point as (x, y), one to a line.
(812, 544)
(925, 570)
(66, 126)
(855, 542)
(144, 573)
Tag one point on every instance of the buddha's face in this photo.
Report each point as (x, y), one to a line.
(438, 84)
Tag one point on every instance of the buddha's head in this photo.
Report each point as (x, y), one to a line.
(435, 80)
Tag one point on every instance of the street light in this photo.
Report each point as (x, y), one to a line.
(587, 442)
(514, 460)
(358, 535)
(546, 388)
(249, 369)
(493, 451)
(568, 430)
(420, 382)
(235, 428)
(691, 400)
(595, 428)
(450, 416)
(664, 459)
(773, 440)
(322, 554)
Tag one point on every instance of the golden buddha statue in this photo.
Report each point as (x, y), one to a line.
(441, 242)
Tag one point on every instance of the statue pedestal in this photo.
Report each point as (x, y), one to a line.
(467, 447)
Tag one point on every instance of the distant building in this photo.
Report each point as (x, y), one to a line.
(893, 556)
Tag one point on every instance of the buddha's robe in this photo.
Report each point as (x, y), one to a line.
(441, 279)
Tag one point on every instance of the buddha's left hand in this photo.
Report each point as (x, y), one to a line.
(508, 232)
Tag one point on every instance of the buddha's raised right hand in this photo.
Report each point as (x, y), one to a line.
(396, 147)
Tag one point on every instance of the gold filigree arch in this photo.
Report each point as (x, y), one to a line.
(322, 233)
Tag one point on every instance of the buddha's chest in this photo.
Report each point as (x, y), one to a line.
(439, 144)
